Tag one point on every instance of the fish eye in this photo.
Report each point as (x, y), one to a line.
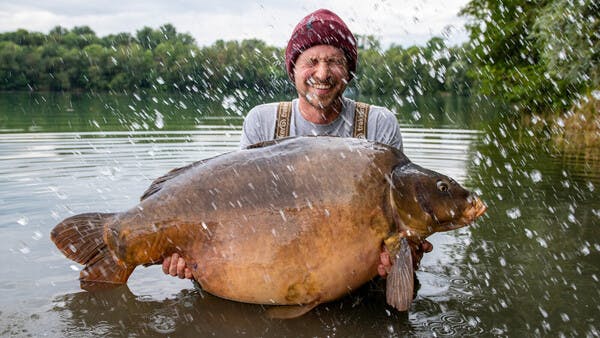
(442, 186)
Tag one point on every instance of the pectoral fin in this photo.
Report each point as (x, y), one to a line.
(400, 279)
(290, 311)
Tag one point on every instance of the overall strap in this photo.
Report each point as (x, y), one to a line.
(361, 116)
(282, 123)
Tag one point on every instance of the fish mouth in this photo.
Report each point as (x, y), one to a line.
(479, 208)
(474, 211)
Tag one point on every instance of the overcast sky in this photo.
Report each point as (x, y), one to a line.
(401, 22)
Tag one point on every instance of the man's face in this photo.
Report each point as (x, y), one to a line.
(321, 75)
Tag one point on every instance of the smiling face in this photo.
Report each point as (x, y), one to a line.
(321, 76)
(428, 202)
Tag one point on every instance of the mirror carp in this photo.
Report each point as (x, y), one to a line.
(294, 222)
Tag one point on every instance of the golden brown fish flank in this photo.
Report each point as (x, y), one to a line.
(298, 221)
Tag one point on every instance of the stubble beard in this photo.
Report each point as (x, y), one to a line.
(323, 103)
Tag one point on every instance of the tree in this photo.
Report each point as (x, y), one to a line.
(535, 54)
(120, 39)
(569, 40)
(11, 60)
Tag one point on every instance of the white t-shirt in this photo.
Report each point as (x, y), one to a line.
(382, 126)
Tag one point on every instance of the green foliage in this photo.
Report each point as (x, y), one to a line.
(568, 33)
(536, 54)
(161, 59)
(410, 72)
(164, 60)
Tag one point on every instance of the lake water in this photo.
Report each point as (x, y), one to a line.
(530, 266)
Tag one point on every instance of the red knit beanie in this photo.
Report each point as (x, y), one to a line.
(322, 27)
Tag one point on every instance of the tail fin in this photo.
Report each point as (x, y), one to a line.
(80, 238)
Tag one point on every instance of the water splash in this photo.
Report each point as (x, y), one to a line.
(513, 213)
(536, 176)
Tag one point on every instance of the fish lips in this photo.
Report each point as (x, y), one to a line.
(474, 211)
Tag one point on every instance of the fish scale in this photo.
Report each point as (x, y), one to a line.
(307, 230)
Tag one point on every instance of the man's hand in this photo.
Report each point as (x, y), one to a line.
(417, 254)
(175, 266)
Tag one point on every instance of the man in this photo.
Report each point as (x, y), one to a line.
(321, 58)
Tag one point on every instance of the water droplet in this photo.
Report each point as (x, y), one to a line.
(74, 267)
(416, 115)
(536, 176)
(37, 235)
(160, 80)
(513, 213)
(502, 261)
(55, 216)
(585, 250)
(24, 249)
(23, 220)
(596, 94)
(562, 54)
(542, 242)
(163, 324)
(159, 122)
(543, 312)
(282, 215)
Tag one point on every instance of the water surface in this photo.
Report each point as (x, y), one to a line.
(529, 267)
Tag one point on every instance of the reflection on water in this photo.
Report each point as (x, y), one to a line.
(191, 313)
(531, 266)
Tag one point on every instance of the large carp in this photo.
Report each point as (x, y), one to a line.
(299, 221)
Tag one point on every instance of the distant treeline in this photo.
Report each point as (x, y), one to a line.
(78, 60)
(537, 55)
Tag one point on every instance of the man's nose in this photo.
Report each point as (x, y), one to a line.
(322, 70)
